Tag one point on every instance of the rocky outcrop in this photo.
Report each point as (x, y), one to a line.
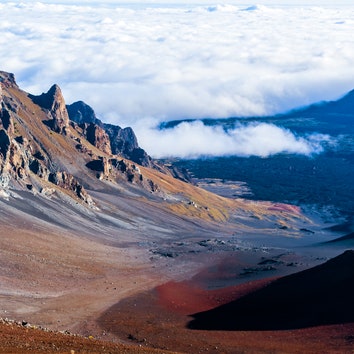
(123, 141)
(33, 158)
(96, 136)
(120, 169)
(12, 157)
(53, 101)
(24, 159)
(6, 130)
(102, 166)
(7, 107)
(69, 182)
(4, 149)
(7, 80)
(80, 112)
(5, 119)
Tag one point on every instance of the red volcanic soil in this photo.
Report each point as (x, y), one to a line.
(17, 338)
(186, 297)
(322, 295)
(161, 319)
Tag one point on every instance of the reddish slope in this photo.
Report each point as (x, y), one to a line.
(17, 339)
(159, 319)
(319, 296)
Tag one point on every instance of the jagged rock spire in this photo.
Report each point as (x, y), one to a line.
(54, 102)
(7, 79)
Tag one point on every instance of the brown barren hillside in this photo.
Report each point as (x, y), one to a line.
(86, 234)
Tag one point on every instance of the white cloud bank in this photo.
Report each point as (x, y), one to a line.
(142, 60)
(194, 139)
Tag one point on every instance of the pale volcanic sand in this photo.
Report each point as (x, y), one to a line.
(61, 279)
(61, 265)
(64, 266)
(76, 286)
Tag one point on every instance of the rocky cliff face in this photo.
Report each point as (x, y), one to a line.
(7, 80)
(41, 148)
(25, 140)
(122, 141)
(7, 148)
(125, 143)
(53, 102)
(80, 112)
(96, 136)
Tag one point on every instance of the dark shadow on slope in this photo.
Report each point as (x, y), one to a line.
(321, 295)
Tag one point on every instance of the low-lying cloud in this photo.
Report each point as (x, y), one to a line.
(168, 62)
(194, 139)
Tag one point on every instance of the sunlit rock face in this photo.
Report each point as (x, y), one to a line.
(30, 155)
(96, 136)
(108, 137)
(54, 102)
(41, 148)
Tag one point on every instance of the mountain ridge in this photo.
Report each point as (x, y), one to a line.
(123, 141)
(29, 151)
(342, 109)
(83, 229)
(42, 150)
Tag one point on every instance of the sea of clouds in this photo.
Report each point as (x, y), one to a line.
(140, 63)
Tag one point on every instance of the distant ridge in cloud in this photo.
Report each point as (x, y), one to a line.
(194, 139)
